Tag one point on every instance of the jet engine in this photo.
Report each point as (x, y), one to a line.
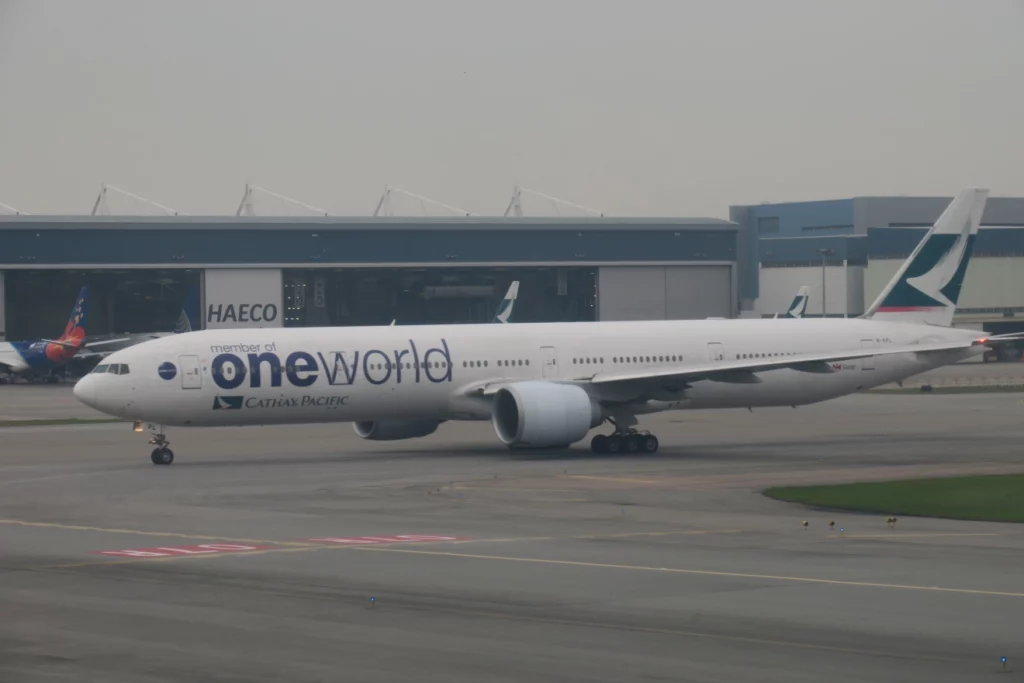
(543, 414)
(394, 430)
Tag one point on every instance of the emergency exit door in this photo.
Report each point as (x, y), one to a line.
(190, 375)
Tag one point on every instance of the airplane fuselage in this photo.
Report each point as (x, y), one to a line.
(303, 375)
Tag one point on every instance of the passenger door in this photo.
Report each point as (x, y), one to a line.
(190, 375)
(549, 361)
(716, 353)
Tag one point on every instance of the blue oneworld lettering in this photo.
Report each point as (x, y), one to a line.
(303, 369)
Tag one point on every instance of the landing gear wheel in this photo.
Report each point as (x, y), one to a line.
(162, 456)
(649, 443)
(633, 443)
(599, 444)
(614, 444)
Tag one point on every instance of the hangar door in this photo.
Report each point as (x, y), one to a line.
(664, 292)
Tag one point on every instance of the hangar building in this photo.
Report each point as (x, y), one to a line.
(287, 271)
(849, 249)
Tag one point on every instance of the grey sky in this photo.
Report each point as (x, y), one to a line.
(637, 108)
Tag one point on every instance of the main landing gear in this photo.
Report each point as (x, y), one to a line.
(161, 455)
(630, 441)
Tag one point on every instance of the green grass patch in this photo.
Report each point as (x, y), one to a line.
(54, 422)
(980, 389)
(997, 498)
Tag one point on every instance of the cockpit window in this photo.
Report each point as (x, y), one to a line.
(111, 368)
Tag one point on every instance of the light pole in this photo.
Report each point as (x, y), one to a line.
(825, 253)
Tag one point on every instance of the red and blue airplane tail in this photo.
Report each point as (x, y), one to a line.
(62, 349)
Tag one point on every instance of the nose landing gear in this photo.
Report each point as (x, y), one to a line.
(161, 455)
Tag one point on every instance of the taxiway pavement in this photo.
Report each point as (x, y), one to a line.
(256, 554)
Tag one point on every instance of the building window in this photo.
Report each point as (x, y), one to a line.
(767, 225)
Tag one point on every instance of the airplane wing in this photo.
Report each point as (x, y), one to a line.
(87, 351)
(744, 371)
(92, 345)
(58, 342)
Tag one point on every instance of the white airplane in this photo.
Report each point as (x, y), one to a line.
(545, 385)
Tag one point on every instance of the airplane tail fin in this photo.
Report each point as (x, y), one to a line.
(74, 331)
(799, 305)
(926, 288)
(189, 318)
(504, 314)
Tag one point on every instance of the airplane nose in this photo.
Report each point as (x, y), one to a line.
(85, 390)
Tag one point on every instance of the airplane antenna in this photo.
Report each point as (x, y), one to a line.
(515, 206)
(101, 208)
(248, 208)
(385, 203)
(5, 207)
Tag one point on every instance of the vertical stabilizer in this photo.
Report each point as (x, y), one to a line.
(74, 331)
(188, 321)
(799, 305)
(926, 288)
(504, 314)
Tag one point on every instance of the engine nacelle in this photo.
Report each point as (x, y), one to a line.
(543, 414)
(394, 430)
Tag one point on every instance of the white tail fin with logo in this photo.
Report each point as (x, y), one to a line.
(926, 288)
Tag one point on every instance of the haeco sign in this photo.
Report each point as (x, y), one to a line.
(243, 297)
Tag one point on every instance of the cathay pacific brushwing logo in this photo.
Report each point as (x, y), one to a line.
(933, 283)
(227, 403)
(504, 314)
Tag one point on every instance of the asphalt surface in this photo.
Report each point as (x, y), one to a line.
(552, 566)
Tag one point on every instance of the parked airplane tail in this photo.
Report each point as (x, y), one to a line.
(74, 331)
(799, 305)
(63, 349)
(926, 288)
(504, 313)
(189, 318)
